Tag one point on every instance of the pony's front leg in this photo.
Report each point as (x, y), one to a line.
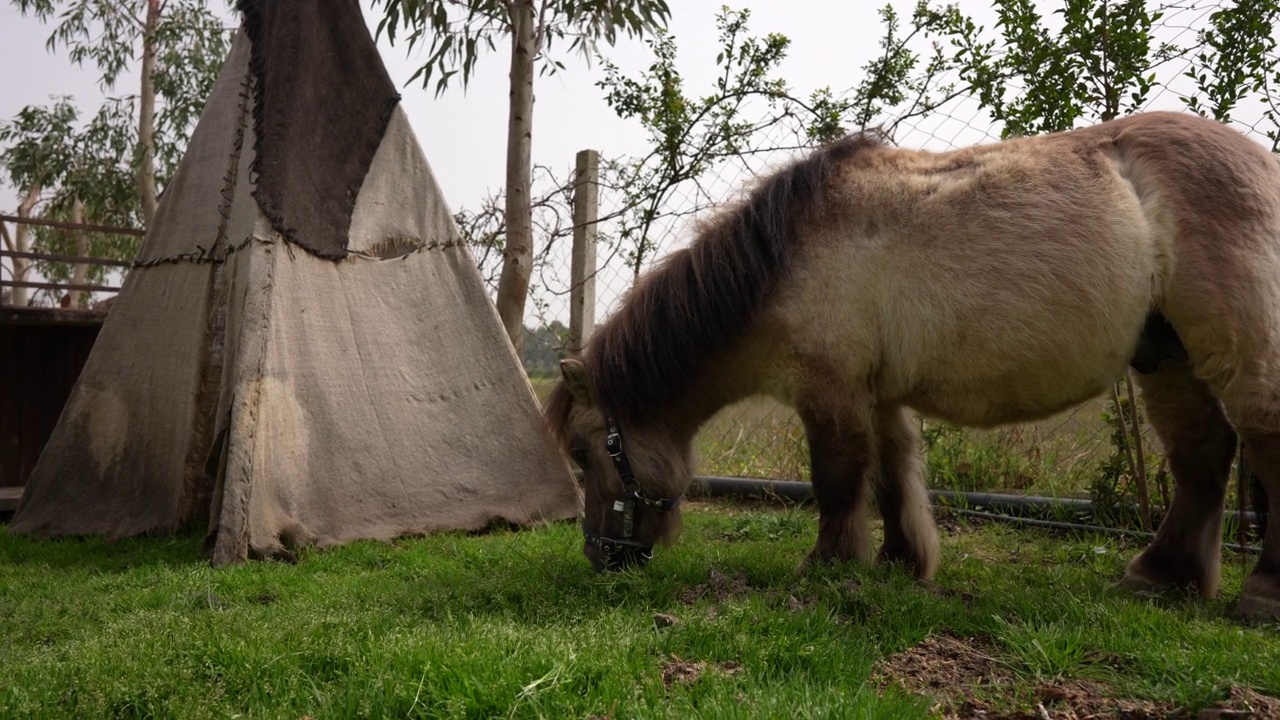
(910, 535)
(842, 461)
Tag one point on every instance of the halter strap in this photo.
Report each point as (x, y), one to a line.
(631, 494)
(630, 486)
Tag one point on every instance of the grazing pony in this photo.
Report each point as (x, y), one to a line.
(996, 284)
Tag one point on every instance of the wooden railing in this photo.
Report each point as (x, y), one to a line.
(12, 281)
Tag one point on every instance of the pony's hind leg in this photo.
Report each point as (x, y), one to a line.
(1261, 597)
(910, 536)
(1200, 445)
(841, 456)
(1252, 400)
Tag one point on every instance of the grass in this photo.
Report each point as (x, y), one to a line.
(514, 624)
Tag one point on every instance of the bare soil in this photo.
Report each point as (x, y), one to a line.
(968, 679)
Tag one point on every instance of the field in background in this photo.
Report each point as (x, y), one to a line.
(1057, 457)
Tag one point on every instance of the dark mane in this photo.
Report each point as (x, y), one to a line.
(701, 298)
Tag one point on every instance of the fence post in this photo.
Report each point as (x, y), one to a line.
(582, 269)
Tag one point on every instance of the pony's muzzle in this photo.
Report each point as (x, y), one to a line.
(619, 557)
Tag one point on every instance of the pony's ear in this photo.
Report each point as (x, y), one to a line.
(576, 379)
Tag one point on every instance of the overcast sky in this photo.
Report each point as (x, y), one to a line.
(464, 135)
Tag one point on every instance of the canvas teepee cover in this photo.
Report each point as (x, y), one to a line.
(304, 350)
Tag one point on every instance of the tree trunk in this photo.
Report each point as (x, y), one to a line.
(147, 116)
(23, 232)
(79, 298)
(517, 259)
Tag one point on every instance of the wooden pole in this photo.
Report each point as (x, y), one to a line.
(1139, 455)
(586, 211)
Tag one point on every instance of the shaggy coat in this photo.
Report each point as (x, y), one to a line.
(996, 284)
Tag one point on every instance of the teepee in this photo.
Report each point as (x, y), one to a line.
(304, 351)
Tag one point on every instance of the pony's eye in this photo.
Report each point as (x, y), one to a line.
(579, 456)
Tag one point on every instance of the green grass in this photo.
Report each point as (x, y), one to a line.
(514, 624)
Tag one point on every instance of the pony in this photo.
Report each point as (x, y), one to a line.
(996, 284)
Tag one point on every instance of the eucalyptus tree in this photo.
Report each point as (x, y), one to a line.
(457, 32)
(114, 162)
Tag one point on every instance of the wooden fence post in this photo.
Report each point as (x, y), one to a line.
(582, 291)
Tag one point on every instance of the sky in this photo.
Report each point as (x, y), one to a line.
(464, 133)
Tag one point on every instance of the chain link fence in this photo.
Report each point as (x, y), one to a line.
(1077, 452)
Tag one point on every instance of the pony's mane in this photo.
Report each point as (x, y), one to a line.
(701, 298)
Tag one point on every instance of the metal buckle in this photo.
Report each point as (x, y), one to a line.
(613, 444)
(610, 547)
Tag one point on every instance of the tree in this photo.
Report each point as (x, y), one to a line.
(1098, 65)
(746, 117)
(691, 135)
(751, 111)
(458, 31)
(1105, 60)
(63, 164)
(1237, 58)
(114, 163)
(696, 141)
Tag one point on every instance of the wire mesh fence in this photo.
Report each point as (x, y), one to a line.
(1089, 449)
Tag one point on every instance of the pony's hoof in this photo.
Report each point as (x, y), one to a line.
(811, 560)
(814, 559)
(1257, 607)
(1159, 571)
(1260, 599)
(1143, 587)
(921, 565)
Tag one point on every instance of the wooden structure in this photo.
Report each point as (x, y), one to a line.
(42, 351)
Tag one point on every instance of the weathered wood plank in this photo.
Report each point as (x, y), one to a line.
(51, 316)
(9, 497)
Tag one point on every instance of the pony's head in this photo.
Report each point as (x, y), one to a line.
(633, 475)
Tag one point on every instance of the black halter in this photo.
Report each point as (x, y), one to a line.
(611, 547)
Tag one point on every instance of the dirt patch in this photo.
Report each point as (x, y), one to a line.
(941, 591)
(948, 521)
(721, 588)
(718, 588)
(685, 672)
(968, 679)
(952, 668)
(1243, 703)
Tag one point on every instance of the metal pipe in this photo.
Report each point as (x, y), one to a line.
(713, 486)
(1078, 527)
(802, 492)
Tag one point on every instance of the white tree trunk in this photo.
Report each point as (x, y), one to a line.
(80, 275)
(517, 261)
(147, 116)
(21, 266)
